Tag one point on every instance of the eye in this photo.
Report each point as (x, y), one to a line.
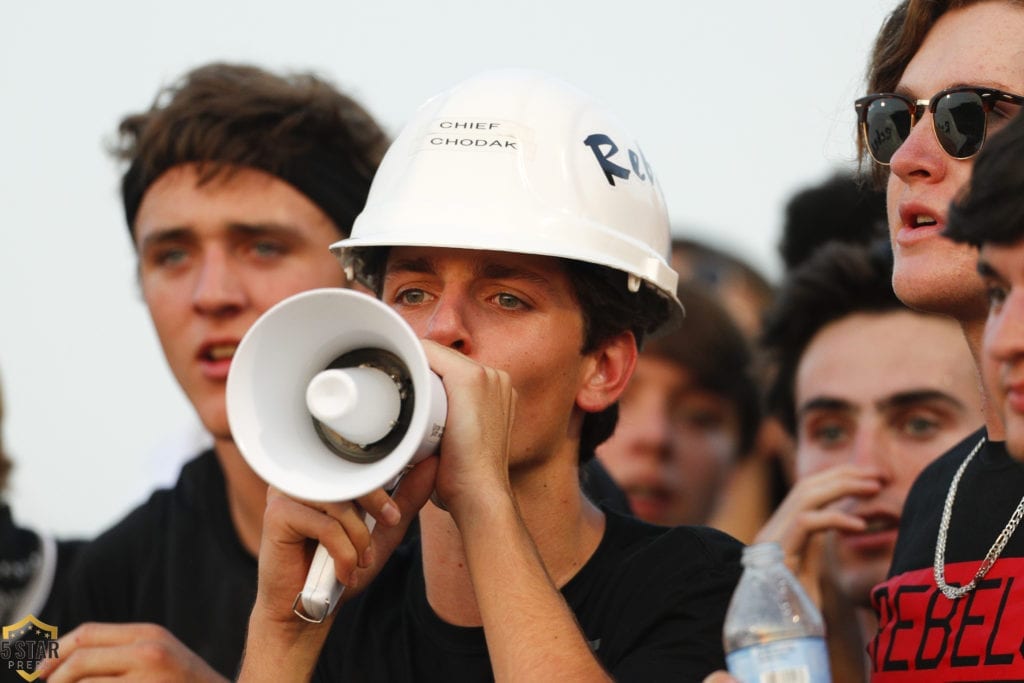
(411, 297)
(509, 301)
(699, 418)
(168, 257)
(996, 295)
(920, 426)
(267, 248)
(828, 433)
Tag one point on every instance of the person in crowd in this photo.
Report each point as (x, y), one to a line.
(944, 77)
(237, 182)
(842, 208)
(976, 549)
(688, 415)
(758, 483)
(531, 309)
(869, 408)
(33, 565)
(741, 288)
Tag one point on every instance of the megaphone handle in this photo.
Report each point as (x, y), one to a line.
(322, 590)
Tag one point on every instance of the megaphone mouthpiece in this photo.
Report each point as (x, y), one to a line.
(359, 404)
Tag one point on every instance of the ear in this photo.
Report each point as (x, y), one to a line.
(608, 370)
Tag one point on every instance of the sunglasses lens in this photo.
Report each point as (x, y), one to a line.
(886, 126)
(960, 123)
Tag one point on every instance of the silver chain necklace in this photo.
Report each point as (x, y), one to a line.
(953, 592)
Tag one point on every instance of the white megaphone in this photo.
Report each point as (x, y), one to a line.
(330, 397)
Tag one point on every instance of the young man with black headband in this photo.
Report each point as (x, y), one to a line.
(238, 180)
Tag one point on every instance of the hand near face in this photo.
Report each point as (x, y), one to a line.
(810, 509)
(131, 651)
(481, 409)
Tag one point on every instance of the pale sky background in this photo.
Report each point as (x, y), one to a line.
(737, 105)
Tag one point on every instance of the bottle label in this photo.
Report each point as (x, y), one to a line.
(793, 660)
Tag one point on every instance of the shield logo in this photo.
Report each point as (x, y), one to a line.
(25, 644)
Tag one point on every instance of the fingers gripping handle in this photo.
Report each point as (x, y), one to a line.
(322, 590)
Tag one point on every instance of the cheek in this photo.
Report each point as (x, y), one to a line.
(892, 193)
(167, 305)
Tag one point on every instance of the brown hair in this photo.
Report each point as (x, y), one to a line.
(297, 127)
(901, 36)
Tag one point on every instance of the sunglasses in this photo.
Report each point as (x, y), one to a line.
(959, 119)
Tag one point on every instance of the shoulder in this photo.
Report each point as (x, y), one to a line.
(939, 472)
(698, 543)
(147, 524)
(678, 558)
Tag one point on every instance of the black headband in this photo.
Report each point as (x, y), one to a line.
(336, 185)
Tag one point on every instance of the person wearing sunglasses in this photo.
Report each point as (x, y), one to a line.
(990, 216)
(957, 69)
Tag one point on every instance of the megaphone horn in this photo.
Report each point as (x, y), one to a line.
(330, 397)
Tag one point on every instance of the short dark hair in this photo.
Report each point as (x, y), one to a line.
(711, 346)
(992, 207)
(609, 309)
(297, 127)
(836, 281)
(842, 208)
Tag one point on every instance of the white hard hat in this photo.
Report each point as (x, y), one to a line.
(516, 160)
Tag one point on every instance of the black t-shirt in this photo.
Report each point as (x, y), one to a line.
(922, 634)
(651, 602)
(175, 561)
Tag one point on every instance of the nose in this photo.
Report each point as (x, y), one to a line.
(447, 322)
(1004, 330)
(218, 291)
(648, 419)
(871, 446)
(920, 157)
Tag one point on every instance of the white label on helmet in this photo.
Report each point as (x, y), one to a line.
(472, 134)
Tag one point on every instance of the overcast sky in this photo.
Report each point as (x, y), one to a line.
(737, 104)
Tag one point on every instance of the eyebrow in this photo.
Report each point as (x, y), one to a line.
(986, 270)
(486, 270)
(825, 403)
(903, 399)
(904, 90)
(182, 233)
(906, 399)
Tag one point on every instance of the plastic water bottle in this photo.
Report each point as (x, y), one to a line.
(773, 632)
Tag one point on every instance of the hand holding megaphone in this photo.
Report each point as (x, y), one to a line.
(329, 398)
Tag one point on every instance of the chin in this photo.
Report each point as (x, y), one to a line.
(855, 585)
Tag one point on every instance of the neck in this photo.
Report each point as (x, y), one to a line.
(247, 494)
(565, 527)
(974, 331)
(850, 628)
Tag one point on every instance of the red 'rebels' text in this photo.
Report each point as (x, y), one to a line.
(924, 636)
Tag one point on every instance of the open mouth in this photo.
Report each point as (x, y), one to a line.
(218, 352)
(880, 524)
(922, 220)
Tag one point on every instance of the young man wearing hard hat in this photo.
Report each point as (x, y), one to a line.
(522, 235)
